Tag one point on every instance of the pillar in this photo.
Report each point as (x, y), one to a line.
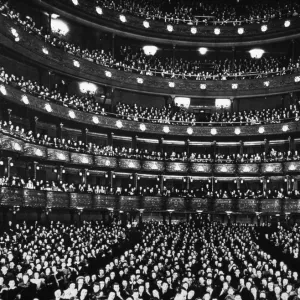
(59, 129)
(233, 57)
(174, 55)
(170, 217)
(7, 166)
(110, 138)
(141, 211)
(34, 122)
(113, 45)
(111, 176)
(34, 169)
(135, 181)
(288, 181)
(188, 148)
(134, 142)
(291, 143)
(161, 145)
(228, 218)
(241, 148)
(266, 145)
(188, 180)
(9, 115)
(60, 172)
(265, 184)
(161, 182)
(85, 135)
(214, 148)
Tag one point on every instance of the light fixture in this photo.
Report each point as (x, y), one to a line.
(264, 28)
(266, 83)
(297, 79)
(14, 32)
(60, 27)
(87, 87)
(241, 30)
(285, 128)
(237, 131)
(292, 168)
(261, 129)
(108, 74)
(25, 100)
(203, 86)
(11, 164)
(166, 129)
(99, 10)
(1, 162)
(3, 90)
(202, 50)
(170, 28)
(287, 23)
(217, 31)
(119, 124)
(72, 114)
(213, 131)
(95, 120)
(122, 18)
(193, 30)
(140, 80)
(48, 107)
(54, 16)
(150, 50)
(45, 51)
(75, 2)
(146, 24)
(190, 131)
(171, 84)
(17, 39)
(234, 86)
(142, 127)
(76, 63)
(256, 53)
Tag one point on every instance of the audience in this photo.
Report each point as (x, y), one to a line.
(138, 62)
(194, 260)
(205, 12)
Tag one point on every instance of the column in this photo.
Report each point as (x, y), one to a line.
(214, 148)
(188, 147)
(173, 58)
(9, 115)
(85, 135)
(238, 183)
(291, 143)
(34, 169)
(134, 142)
(233, 57)
(293, 50)
(79, 212)
(110, 138)
(241, 148)
(265, 184)
(34, 122)
(7, 166)
(59, 129)
(170, 216)
(266, 145)
(111, 176)
(228, 218)
(113, 45)
(141, 211)
(161, 182)
(135, 181)
(60, 173)
(288, 181)
(188, 179)
(161, 145)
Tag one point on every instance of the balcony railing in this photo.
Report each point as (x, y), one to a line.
(10, 197)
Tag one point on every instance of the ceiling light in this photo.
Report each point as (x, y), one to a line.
(171, 84)
(150, 50)
(76, 63)
(119, 124)
(166, 129)
(237, 131)
(17, 39)
(72, 114)
(123, 18)
(88, 87)
(75, 2)
(241, 30)
(287, 23)
(48, 107)
(3, 90)
(193, 30)
(25, 99)
(99, 10)
(95, 120)
(14, 32)
(140, 80)
(60, 27)
(108, 74)
(203, 86)
(213, 131)
(45, 51)
(54, 16)
(146, 24)
(202, 50)
(256, 53)
(170, 28)
(264, 28)
(285, 128)
(261, 129)
(142, 127)
(266, 83)
(297, 79)
(217, 31)
(234, 86)
(190, 130)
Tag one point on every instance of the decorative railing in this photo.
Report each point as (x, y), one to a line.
(113, 163)
(10, 197)
(14, 95)
(32, 47)
(181, 34)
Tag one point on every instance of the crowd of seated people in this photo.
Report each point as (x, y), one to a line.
(197, 260)
(272, 155)
(206, 12)
(200, 190)
(138, 62)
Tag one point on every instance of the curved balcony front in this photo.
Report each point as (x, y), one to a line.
(157, 32)
(133, 165)
(32, 48)
(11, 94)
(24, 198)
